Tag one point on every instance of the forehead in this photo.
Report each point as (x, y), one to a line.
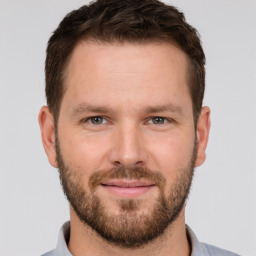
(127, 57)
(152, 71)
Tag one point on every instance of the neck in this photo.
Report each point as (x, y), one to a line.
(85, 241)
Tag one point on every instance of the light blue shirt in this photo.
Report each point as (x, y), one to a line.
(198, 248)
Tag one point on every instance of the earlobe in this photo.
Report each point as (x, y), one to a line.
(203, 129)
(46, 122)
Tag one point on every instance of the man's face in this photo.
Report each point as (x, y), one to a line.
(126, 139)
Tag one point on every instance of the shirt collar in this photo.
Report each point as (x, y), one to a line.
(197, 247)
(63, 239)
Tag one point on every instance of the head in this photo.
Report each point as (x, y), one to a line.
(137, 22)
(124, 122)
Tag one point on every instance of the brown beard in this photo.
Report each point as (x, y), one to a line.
(128, 229)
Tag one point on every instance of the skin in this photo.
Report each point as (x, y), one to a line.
(131, 82)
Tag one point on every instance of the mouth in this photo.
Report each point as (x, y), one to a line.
(127, 188)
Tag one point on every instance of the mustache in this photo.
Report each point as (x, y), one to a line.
(120, 172)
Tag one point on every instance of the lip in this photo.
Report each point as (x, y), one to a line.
(127, 189)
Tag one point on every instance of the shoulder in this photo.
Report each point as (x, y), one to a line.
(61, 248)
(50, 253)
(203, 249)
(215, 251)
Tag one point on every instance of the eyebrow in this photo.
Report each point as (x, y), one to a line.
(162, 108)
(104, 109)
(86, 107)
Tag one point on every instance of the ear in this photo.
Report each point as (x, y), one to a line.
(46, 122)
(203, 128)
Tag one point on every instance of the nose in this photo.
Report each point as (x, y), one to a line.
(128, 147)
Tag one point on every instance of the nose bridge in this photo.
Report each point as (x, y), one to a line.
(128, 148)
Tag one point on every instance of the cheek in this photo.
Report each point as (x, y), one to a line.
(172, 154)
(84, 154)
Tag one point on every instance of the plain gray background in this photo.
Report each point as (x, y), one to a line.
(222, 205)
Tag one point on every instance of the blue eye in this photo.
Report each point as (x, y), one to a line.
(158, 120)
(96, 120)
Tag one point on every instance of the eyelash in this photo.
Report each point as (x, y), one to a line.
(166, 120)
(160, 117)
(90, 118)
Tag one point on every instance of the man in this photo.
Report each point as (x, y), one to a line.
(125, 126)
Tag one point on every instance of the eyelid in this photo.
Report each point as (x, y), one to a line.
(166, 120)
(87, 119)
(105, 119)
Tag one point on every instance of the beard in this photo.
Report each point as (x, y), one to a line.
(131, 227)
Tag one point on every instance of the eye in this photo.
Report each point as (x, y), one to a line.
(96, 120)
(158, 120)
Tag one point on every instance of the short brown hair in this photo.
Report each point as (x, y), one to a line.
(139, 21)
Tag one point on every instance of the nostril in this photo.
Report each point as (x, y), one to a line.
(136, 164)
(139, 163)
(117, 163)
